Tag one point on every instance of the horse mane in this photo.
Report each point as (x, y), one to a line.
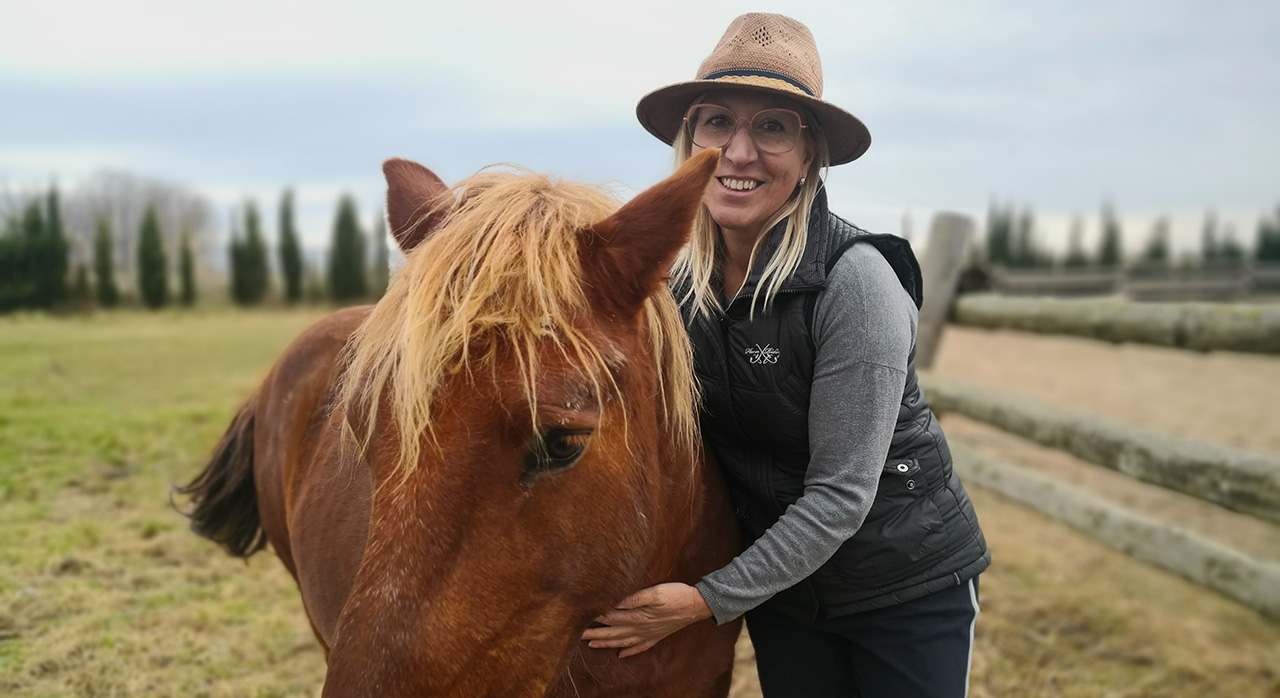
(503, 267)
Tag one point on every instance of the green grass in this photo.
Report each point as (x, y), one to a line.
(103, 591)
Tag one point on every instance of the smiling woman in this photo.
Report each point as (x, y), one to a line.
(861, 573)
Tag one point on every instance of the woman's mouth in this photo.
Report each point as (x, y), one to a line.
(739, 184)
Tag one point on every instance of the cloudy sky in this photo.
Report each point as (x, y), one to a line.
(1164, 107)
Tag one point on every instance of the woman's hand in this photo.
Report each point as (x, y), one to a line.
(647, 616)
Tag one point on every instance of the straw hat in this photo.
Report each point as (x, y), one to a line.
(769, 53)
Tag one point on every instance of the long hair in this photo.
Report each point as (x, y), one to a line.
(500, 276)
(699, 262)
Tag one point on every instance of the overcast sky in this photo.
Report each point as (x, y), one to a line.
(1164, 107)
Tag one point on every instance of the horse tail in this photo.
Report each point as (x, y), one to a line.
(225, 501)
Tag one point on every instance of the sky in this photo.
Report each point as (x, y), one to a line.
(1167, 107)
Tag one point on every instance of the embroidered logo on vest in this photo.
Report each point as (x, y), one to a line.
(762, 355)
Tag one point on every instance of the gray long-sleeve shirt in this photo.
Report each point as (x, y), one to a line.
(864, 329)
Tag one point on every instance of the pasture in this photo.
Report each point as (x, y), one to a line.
(103, 591)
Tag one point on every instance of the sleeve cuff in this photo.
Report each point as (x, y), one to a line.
(718, 613)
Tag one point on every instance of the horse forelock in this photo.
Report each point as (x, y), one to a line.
(501, 272)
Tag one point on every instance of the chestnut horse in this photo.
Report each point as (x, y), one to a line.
(463, 476)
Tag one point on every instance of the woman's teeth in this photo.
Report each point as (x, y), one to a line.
(739, 184)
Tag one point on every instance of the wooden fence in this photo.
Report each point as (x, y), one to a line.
(1217, 281)
(1236, 480)
(1198, 326)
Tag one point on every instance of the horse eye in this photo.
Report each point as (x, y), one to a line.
(553, 450)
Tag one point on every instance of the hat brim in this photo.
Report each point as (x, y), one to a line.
(662, 111)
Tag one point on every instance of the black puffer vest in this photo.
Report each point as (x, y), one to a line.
(921, 534)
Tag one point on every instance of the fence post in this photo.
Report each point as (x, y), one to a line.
(943, 260)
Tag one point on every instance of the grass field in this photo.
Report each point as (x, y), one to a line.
(103, 591)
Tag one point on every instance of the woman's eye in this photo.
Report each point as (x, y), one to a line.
(772, 126)
(717, 121)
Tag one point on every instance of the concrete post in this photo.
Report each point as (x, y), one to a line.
(943, 260)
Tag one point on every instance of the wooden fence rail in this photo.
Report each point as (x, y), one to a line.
(1238, 480)
(1254, 583)
(1214, 281)
(1197, 326)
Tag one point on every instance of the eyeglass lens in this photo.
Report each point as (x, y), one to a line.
(773, 130)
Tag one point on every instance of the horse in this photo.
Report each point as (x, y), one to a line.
(463, 476)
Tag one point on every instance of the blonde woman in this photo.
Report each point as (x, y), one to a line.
(860, 573)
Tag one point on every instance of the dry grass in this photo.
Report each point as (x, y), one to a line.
(103, 591)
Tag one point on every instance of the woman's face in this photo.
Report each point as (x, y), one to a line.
(751, 185)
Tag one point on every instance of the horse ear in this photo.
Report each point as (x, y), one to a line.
(416, 201)
(628, 254)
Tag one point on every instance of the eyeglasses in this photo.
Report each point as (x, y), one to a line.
(772, 130)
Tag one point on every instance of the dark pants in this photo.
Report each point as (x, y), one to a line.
(918, 649)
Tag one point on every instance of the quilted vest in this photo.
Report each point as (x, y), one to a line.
(921, 534)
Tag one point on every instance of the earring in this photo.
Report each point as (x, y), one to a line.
(802, 181)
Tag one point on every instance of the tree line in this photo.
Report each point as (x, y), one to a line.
(1011, 242)
(37, 271)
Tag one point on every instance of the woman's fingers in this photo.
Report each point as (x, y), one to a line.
(629, 617)
(607, 632)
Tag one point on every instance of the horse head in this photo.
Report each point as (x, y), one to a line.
(523, 400)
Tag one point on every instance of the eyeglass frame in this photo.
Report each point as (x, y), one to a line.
(737, 123)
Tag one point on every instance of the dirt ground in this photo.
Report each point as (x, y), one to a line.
(1219, 397)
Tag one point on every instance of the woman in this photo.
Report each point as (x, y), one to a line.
(860, 577)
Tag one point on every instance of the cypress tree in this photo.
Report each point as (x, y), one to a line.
(1076, 256)
(103, 268)
(257, 278)
(1267, 244)
(1023, 252)
(346, 257)
(381, 258)
(187, 271)
(999, 236)
(290, 251)
(249, 261)
(29, 252)
(1109, 252)
(1157, 250)
(53, 267)
(1209, 248)
(233, 258)
(13, 266)
(81, 296)
(153, 276)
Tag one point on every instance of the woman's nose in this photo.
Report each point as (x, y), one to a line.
(740, 149)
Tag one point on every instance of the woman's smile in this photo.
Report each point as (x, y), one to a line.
(738, 183)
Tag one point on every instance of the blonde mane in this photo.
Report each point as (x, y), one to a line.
(502, 267)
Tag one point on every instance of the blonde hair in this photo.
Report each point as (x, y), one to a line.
(504, 267)
(699, 261)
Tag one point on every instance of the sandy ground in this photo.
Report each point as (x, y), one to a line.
(1220, 397)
